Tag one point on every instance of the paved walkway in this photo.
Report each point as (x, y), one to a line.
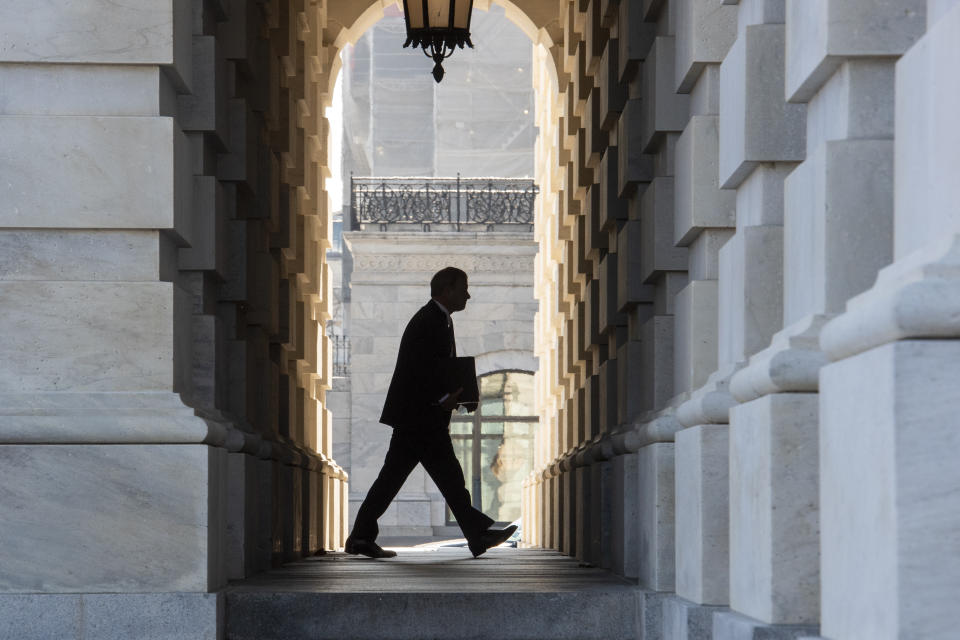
(435, 592)
(435, 569)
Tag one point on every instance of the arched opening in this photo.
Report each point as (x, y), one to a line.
(365, 272)
(495, 443)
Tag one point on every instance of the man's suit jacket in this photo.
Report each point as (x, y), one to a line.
(417, 386)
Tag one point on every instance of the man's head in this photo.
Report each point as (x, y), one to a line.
(449, 287)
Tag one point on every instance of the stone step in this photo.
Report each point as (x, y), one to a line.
(506, 594)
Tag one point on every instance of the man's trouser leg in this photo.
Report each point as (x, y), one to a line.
(399, 462)
(440, 461)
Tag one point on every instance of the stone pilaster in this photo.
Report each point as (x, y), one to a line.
(704, 216)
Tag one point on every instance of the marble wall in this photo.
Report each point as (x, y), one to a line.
(163, 422)
(750, 231)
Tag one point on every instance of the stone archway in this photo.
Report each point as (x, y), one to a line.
(347, 22)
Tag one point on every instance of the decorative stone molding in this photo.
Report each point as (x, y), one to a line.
(105, 418)
(710, 404)
(139, 418)
(433, 263)
(505, 359)
(916, 297)
(567, 462)
(583, 457)
(791, 363)
(660, 429)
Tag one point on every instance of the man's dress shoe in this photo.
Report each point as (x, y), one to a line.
(367, 548)
(490, 538)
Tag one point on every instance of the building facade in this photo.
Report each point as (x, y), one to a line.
(390, 281)
(747, 326)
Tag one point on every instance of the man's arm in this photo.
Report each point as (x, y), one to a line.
(422, 348)
(449, 401)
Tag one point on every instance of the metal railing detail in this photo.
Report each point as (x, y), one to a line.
(453, 201)
(341, 355)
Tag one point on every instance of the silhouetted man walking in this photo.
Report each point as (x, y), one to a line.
(418, 407)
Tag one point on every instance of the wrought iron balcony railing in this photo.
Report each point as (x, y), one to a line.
(461, 204)
(341, 355)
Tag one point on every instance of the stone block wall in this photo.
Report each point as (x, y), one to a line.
(163, 422)
(780, 222)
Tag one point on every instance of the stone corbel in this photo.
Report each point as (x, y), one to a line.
(916, 297)
(711, 403)
(791, 363)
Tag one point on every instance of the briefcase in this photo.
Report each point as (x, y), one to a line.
(462, 372)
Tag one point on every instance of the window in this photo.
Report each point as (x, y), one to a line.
(495, 443)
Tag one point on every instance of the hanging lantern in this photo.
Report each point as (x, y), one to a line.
(438, 26)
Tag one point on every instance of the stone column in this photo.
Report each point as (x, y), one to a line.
(547, 177)
(703, 219)
(772, 441)
(888, 399)
(656, 569)
(163, 282)
(111, 482)
(837, 206)
(848, 158)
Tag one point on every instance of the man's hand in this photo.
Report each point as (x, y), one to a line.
(452, 400)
